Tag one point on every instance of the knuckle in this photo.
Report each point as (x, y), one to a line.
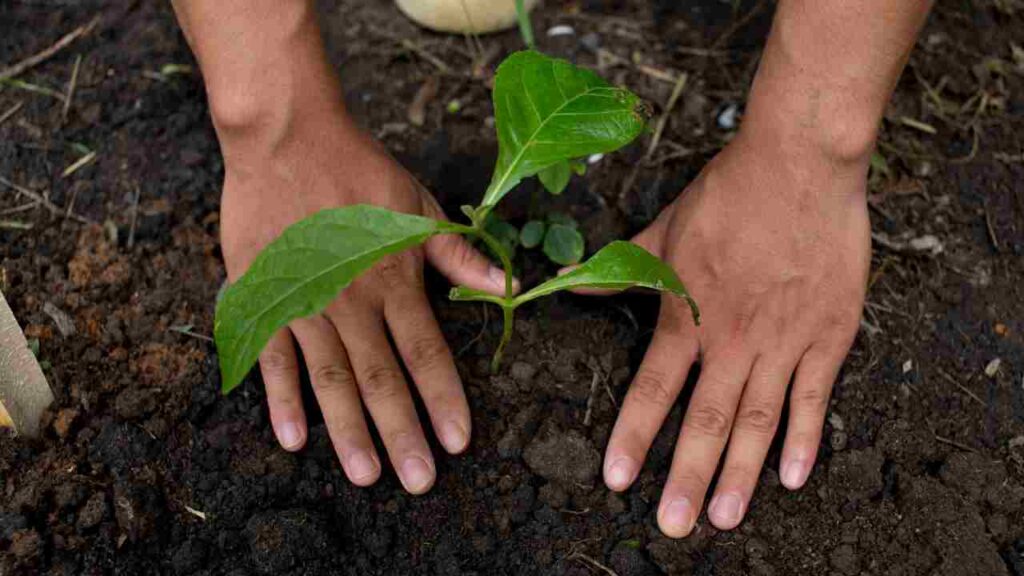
(276, 363)
(759, 419)
(426, 353)
(330, 377)
(810, 399)
(650, 387)
(708, 420)
(379, 383)
(390, 269)
(692, 479)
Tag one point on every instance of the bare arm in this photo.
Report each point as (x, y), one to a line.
(828, 70)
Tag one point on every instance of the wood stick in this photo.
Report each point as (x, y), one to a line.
(24, 392)
(32, 61)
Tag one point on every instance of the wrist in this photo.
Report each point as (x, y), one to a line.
(812, 122)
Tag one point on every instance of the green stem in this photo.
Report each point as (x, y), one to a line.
(508, 303)
(525, 27)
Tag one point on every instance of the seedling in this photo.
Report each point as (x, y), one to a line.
(548, 113)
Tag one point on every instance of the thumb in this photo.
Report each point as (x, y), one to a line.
(464, 265)
(458, 260)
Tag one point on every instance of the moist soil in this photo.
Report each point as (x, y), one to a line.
(144, 468)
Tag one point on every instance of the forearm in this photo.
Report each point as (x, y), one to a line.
(828, 70)
(263, 64)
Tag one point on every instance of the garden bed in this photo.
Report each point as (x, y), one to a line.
(144, 468)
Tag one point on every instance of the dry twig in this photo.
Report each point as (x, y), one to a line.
(40, 57)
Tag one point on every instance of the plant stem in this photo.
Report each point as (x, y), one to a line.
(506, 335)
(508, 303)
(525, 27)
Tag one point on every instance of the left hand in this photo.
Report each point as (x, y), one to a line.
(774, 245)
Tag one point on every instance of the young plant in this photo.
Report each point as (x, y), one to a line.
(548, 113)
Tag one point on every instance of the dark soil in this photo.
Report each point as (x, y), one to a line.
(145, 469)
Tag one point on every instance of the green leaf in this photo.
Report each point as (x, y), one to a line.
(578, 166)
(555, 177)
(532, 234)
(563, 244)
(302, 271)
(504, 233)
(548, 111)
(618, 266)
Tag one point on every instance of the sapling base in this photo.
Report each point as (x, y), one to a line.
(548, 114)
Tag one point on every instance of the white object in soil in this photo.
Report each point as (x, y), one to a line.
(24, 392)
(463, 16)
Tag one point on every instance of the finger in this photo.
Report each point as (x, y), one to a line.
(651, 395)
(336, 392)
(757, 420)
(456, 258)
(705, 431)
(429, 361)
(808, 403)
(386, 396)
(280, 371)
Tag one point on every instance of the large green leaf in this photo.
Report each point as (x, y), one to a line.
(302, 271)
(618, 266)
(548, 111)
(556, 177)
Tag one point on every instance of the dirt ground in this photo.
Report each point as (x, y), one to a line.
(144, 468)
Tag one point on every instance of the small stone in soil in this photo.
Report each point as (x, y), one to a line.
(627, 559)
(857, 473)
(523, 372)
(93, 512)
(844, 558)
(568, 458)
(26, 544)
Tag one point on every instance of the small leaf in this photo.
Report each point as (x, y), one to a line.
(548, 111)
(618, 266)
(563, 244)
(555, 177)
(504, 233)
(578, 166)
(563, 219)
(302, 271)
(532, 234)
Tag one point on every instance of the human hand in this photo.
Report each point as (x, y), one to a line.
(321, 160)
(774, 245)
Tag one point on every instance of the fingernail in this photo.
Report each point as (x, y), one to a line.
(677, 518)
(416, 475)
(361, 466)
(289, 435)
(497, 277)
(794, 474)
(726, 509)
(620, 473)
(453, 436)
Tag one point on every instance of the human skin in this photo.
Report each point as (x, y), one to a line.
(772, 239)
(290, 149)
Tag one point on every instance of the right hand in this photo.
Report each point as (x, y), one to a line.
(275, 177)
